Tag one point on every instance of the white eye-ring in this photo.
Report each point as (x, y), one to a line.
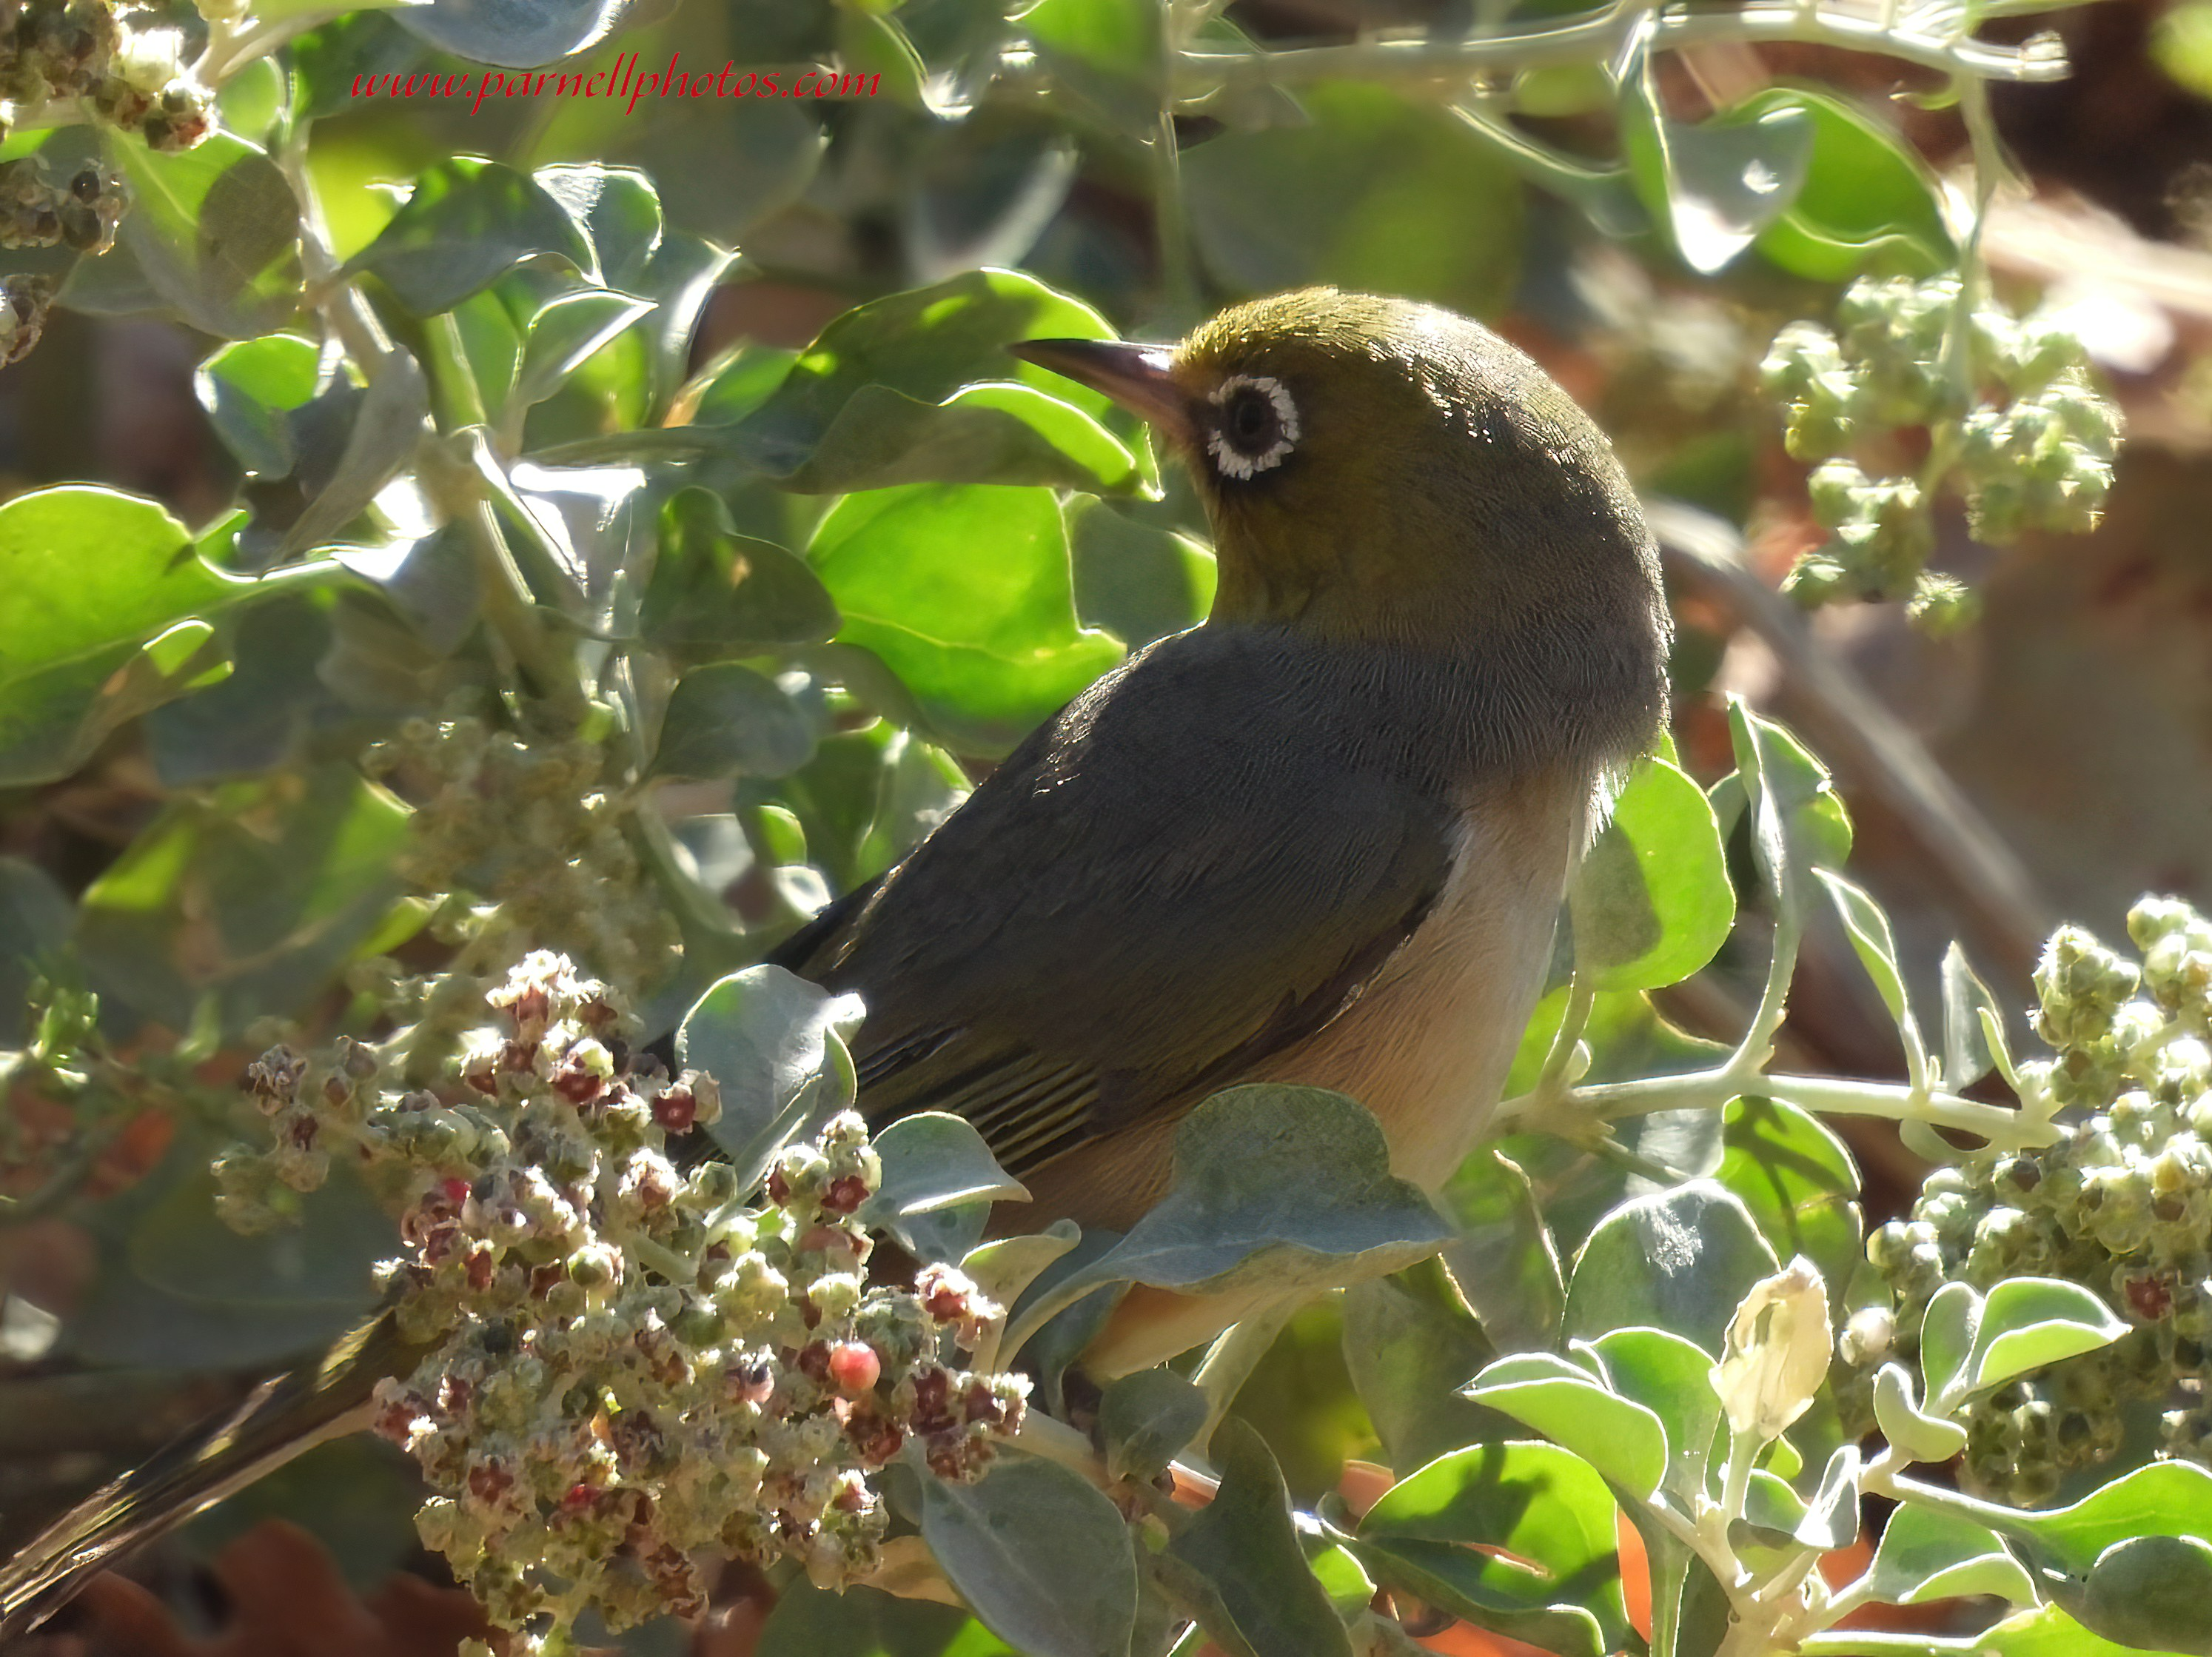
(1258, 424)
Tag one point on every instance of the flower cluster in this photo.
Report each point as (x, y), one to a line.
(2122, 1203)
(62, 51)
(515, 831)
(631, 1364)
(2010, 411)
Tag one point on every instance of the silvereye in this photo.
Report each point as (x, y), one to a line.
(1322, 839)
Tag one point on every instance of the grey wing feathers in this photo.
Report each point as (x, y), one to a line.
(1182, 874)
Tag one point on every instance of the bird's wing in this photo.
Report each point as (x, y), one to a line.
(1200, 862)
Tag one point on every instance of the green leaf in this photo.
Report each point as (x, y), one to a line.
(1145, 1420)
(1798, 823)
(215, 230)
(964, 591)
(1680, 1260)
(1797, 1180)
(1969, 1047)
(1672, 1379)
(925, 345)
(1043, 1557)
(569, 331)
(467, 223)
(773, 1042)
(1106, 56)
(2167, 1498)
(248, 387)
(862, 1622)
(726, 720)
(1947, 1342)
(715, 593)
(1912, 1430)
(1621, 1439)
(387, 425)
(513, 33)
(1555, 1580)
(1375, 192)
(1410, 1343)
(93, 577)
(1831, 1517)
(1134, 579)
(1004, 1267)
(1505, 1252)
(620, 212)
(35, 914)
(2029, 1322)
(1264, 1600)
(2152, 1592)
(2049, 1632)
(255, 896)
(1718, 185)
(933, 1160)
(1652, 902)
(1866, 199)
(1276, 1187)
(1925, 1556)
(993, 433)
(2181, 45)
(1869, 930)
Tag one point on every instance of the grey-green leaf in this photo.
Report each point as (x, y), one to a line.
(1680, 1260)
(770, 1039)
(726, 720)
(1145, 1418)
(1041, 1555)
(1244, 1548)
(468, 222)
(1924, 1555)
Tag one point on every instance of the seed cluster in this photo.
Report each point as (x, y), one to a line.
(635, 1364)
(2121, 1204)
(108, 56)
(531, 851)
(80, 213)
(2009, 409)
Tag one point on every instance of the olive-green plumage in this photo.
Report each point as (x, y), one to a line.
(1321, 839)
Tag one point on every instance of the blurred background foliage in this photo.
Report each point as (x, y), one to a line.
(218, 860)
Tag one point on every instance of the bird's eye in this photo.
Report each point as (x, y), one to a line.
(1257, 427)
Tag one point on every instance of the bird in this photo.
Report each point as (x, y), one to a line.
(1321, 839)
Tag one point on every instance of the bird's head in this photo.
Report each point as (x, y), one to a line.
(1381, 470)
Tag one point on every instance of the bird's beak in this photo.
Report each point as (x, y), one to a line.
(1141, 378)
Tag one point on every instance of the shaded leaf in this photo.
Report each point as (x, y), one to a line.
(2152, 1592)
(1651, 900)
(1375, 192)
(516, 33)
(1797, 1180)
(215, 231)
(1277, 1186)
(249, 387)
(1145, 1420)
(863, 1622)
(1925, 1556)
(714, 593)
(387, 424)
(467, 223)
(254, 896)
(1042, 1557)
(933, 1160)
(771, 1040)
(726, 720)
(1264, 1600)
(1506, 1252)
(1410, 1343)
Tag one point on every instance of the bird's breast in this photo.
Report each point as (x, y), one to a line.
(1427, 1047)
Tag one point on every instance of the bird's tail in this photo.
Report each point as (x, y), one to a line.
(282, 1417)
